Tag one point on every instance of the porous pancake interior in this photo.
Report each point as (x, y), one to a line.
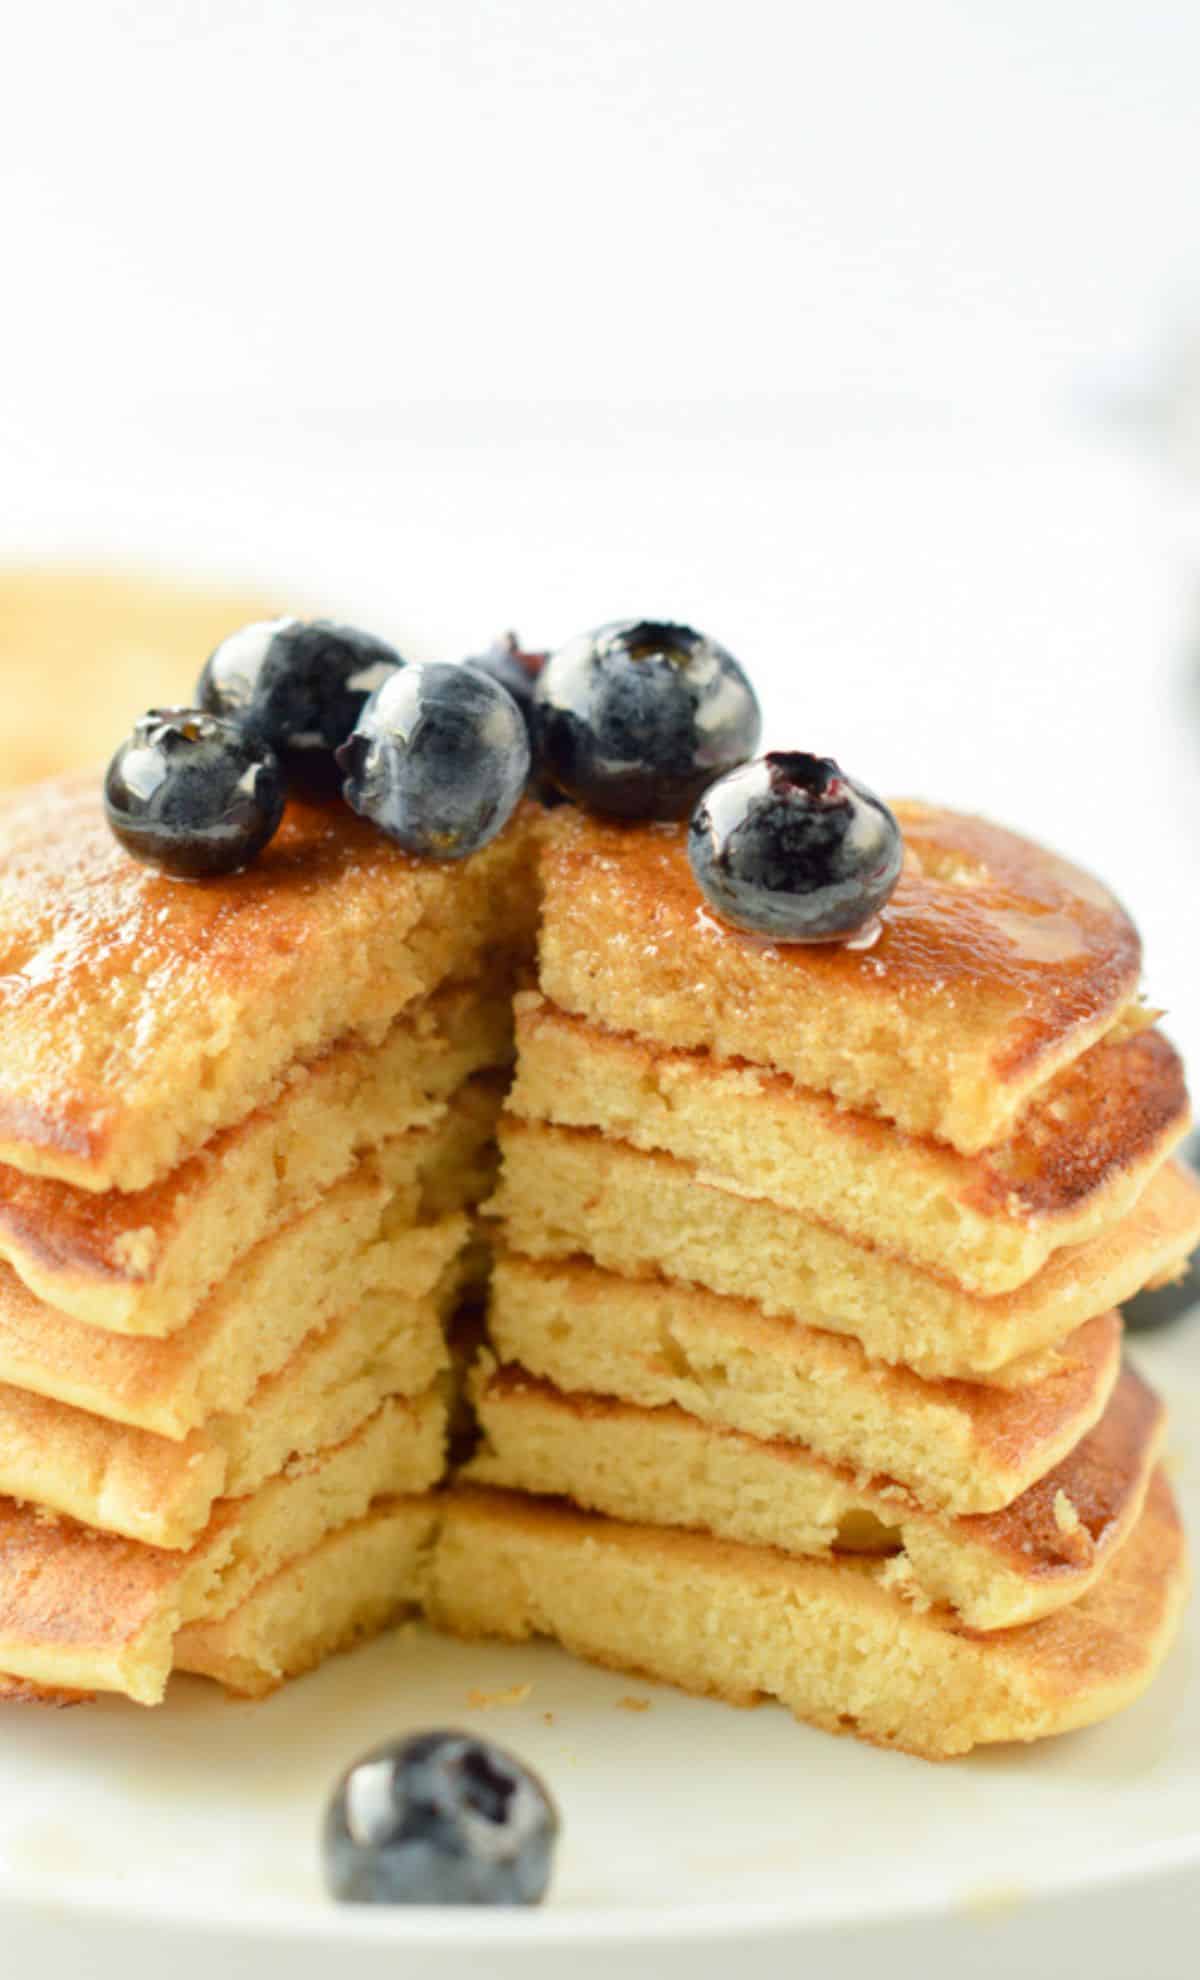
(662, 1467)
(1078, 1158)
(352, 1585)
(299, 1280)
(88, 1611)
(959, 1446)
(142, 1263)
(830, 1640)
(567, 1190)
(139, 1018)
(120, 1479)
(996, 964)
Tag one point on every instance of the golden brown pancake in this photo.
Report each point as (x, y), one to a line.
(351, 1586)
(321, 1267)
(91, 650)
(661, 1467)
(569, 1190)
(961, 1446)
(996, 965)
(87, 1611)
(141, 1262)
(1077, 1160)
(120, 1479)
(140, 1015)
(830, 1639)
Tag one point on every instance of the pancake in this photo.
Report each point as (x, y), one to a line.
(129, 1481)
(322, 1266)
(962, 1447)
(91, 650)
(567, 1190)
(141, 1262)
(831, 1640)
(353, 1585)
(88, 1611)
(996, 965)
(661, 1467)
(139, 1016)
(1078, 1158)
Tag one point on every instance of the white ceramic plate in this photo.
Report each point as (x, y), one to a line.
(184, 1842)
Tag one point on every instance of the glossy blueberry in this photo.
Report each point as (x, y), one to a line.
(298, 685)
(637, 719)
(791, 848)
(438, 760)
(507, 662)
(441, 1818)
(192, 794)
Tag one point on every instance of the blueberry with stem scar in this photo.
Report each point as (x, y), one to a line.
(790, 848)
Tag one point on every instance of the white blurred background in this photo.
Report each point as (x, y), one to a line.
(863, 336)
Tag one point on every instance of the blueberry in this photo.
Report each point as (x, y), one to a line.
(299, 686)
(507, 662)
(192, 794)
(637, 719)
(441, 1818)
(438, 761)
(791, 848)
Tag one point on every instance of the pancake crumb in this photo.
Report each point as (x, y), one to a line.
(490, 1701)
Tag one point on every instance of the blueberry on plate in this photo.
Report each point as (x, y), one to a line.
(637, 719)
(297, 685)
(442, 1818)
(507, 662)
(438, 760)
(791, 848)
(192, 794)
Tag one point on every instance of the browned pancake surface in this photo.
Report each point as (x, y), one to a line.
(996, 963)
(139, 1014)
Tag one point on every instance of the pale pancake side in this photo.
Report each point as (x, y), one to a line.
(120, 1479)
(664, 1468)
(567, 1190)
(1077, 1160)
(354, 1584)
(830, 1640)
(141, 1262)
(86, 1611)
(962, 1447)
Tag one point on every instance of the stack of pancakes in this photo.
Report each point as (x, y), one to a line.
(241, 1129)
(805, 1375)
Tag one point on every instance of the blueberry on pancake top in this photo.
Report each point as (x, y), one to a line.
(791, 848)
(438, 760)
(636, 719)
(298, 685)
(193, 795)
